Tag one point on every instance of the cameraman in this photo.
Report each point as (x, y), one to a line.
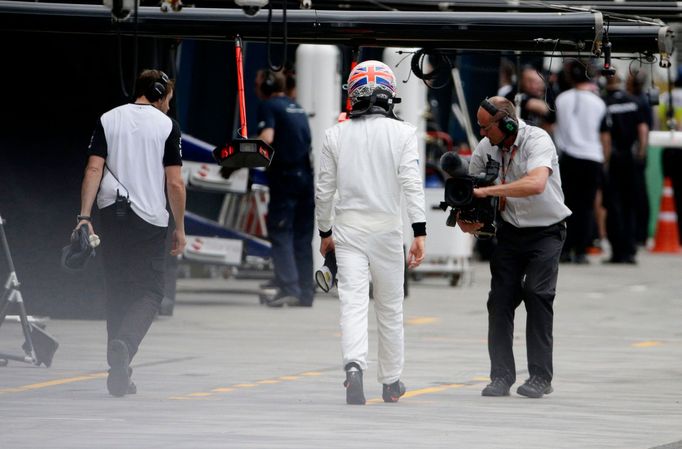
(134, 153)
(531, 232)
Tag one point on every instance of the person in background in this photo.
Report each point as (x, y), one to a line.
(629, 134)
(635, 87)
(283, 124)
(581, 133)
(134, 155)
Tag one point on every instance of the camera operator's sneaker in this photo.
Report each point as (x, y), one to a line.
(497, 387)
(355, 393)
(393, 392)
(535, 387)
(118, 356)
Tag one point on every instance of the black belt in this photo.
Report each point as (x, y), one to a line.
(530, 229)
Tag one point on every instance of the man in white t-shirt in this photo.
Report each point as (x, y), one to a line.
(134, 155)
(582, 136)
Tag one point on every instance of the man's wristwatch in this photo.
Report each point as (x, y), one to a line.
(83, 217)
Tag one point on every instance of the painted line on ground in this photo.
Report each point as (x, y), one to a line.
(82, 377)
(421, 392)
(647, 344)
(244, 386)
(421, 320)
(53, 383)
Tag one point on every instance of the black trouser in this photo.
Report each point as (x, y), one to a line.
(134, 267)
(580, 179)
(620, 202)
(290, 222)
(641, 203)
(524, 267)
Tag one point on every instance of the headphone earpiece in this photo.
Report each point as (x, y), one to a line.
(158, 89)
(508, 125)
(269, 84)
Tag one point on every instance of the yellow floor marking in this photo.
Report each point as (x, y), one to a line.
(180, 398)
(481, 378)
(646, 344)
(421, 391)
(246, 385)
(52, 383)
(419, 320)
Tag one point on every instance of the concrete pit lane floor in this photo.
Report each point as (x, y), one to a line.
(226, 372)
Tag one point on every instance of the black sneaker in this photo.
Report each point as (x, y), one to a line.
(268, 285)
(355, 393)
(498, 387)
(535, 387)
(393, 392)
(283, 300)
(132, 388)
(118, 356)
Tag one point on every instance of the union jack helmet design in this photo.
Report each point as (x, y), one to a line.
(369, 77)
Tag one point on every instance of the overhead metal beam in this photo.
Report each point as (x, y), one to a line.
(665, 10)
(446, 30)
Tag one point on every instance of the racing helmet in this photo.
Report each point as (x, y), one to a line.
(371, 77)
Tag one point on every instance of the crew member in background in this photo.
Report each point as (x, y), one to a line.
(370, 160)
(581, 133)
(629, 134)
(134, 154)
(635, 87)
(530, 234)
(283, 124)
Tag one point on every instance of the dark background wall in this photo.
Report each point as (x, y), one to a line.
(54, 89)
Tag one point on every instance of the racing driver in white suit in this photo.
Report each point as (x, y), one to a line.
(370, 160)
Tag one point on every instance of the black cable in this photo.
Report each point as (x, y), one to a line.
(286, 37)
(121, 79)
(129, 95)
(135, 51)
(439, 63)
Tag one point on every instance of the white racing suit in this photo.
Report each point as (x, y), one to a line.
(370, 161)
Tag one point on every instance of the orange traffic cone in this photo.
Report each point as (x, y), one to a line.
(667, 237)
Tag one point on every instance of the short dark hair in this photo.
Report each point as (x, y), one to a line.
(146, 80)
(271, 82)
(578, 71)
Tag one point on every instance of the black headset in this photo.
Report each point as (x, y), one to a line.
(507, 124)
(269, 84)
(157, 90)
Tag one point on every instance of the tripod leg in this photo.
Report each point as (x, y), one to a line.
(25, 327)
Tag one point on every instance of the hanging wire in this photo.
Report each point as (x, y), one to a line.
(439, 62)
(119, 52)
(286, 37)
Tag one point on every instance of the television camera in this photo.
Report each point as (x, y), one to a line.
(459, 193)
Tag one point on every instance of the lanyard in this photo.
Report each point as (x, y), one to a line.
(505, 168)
